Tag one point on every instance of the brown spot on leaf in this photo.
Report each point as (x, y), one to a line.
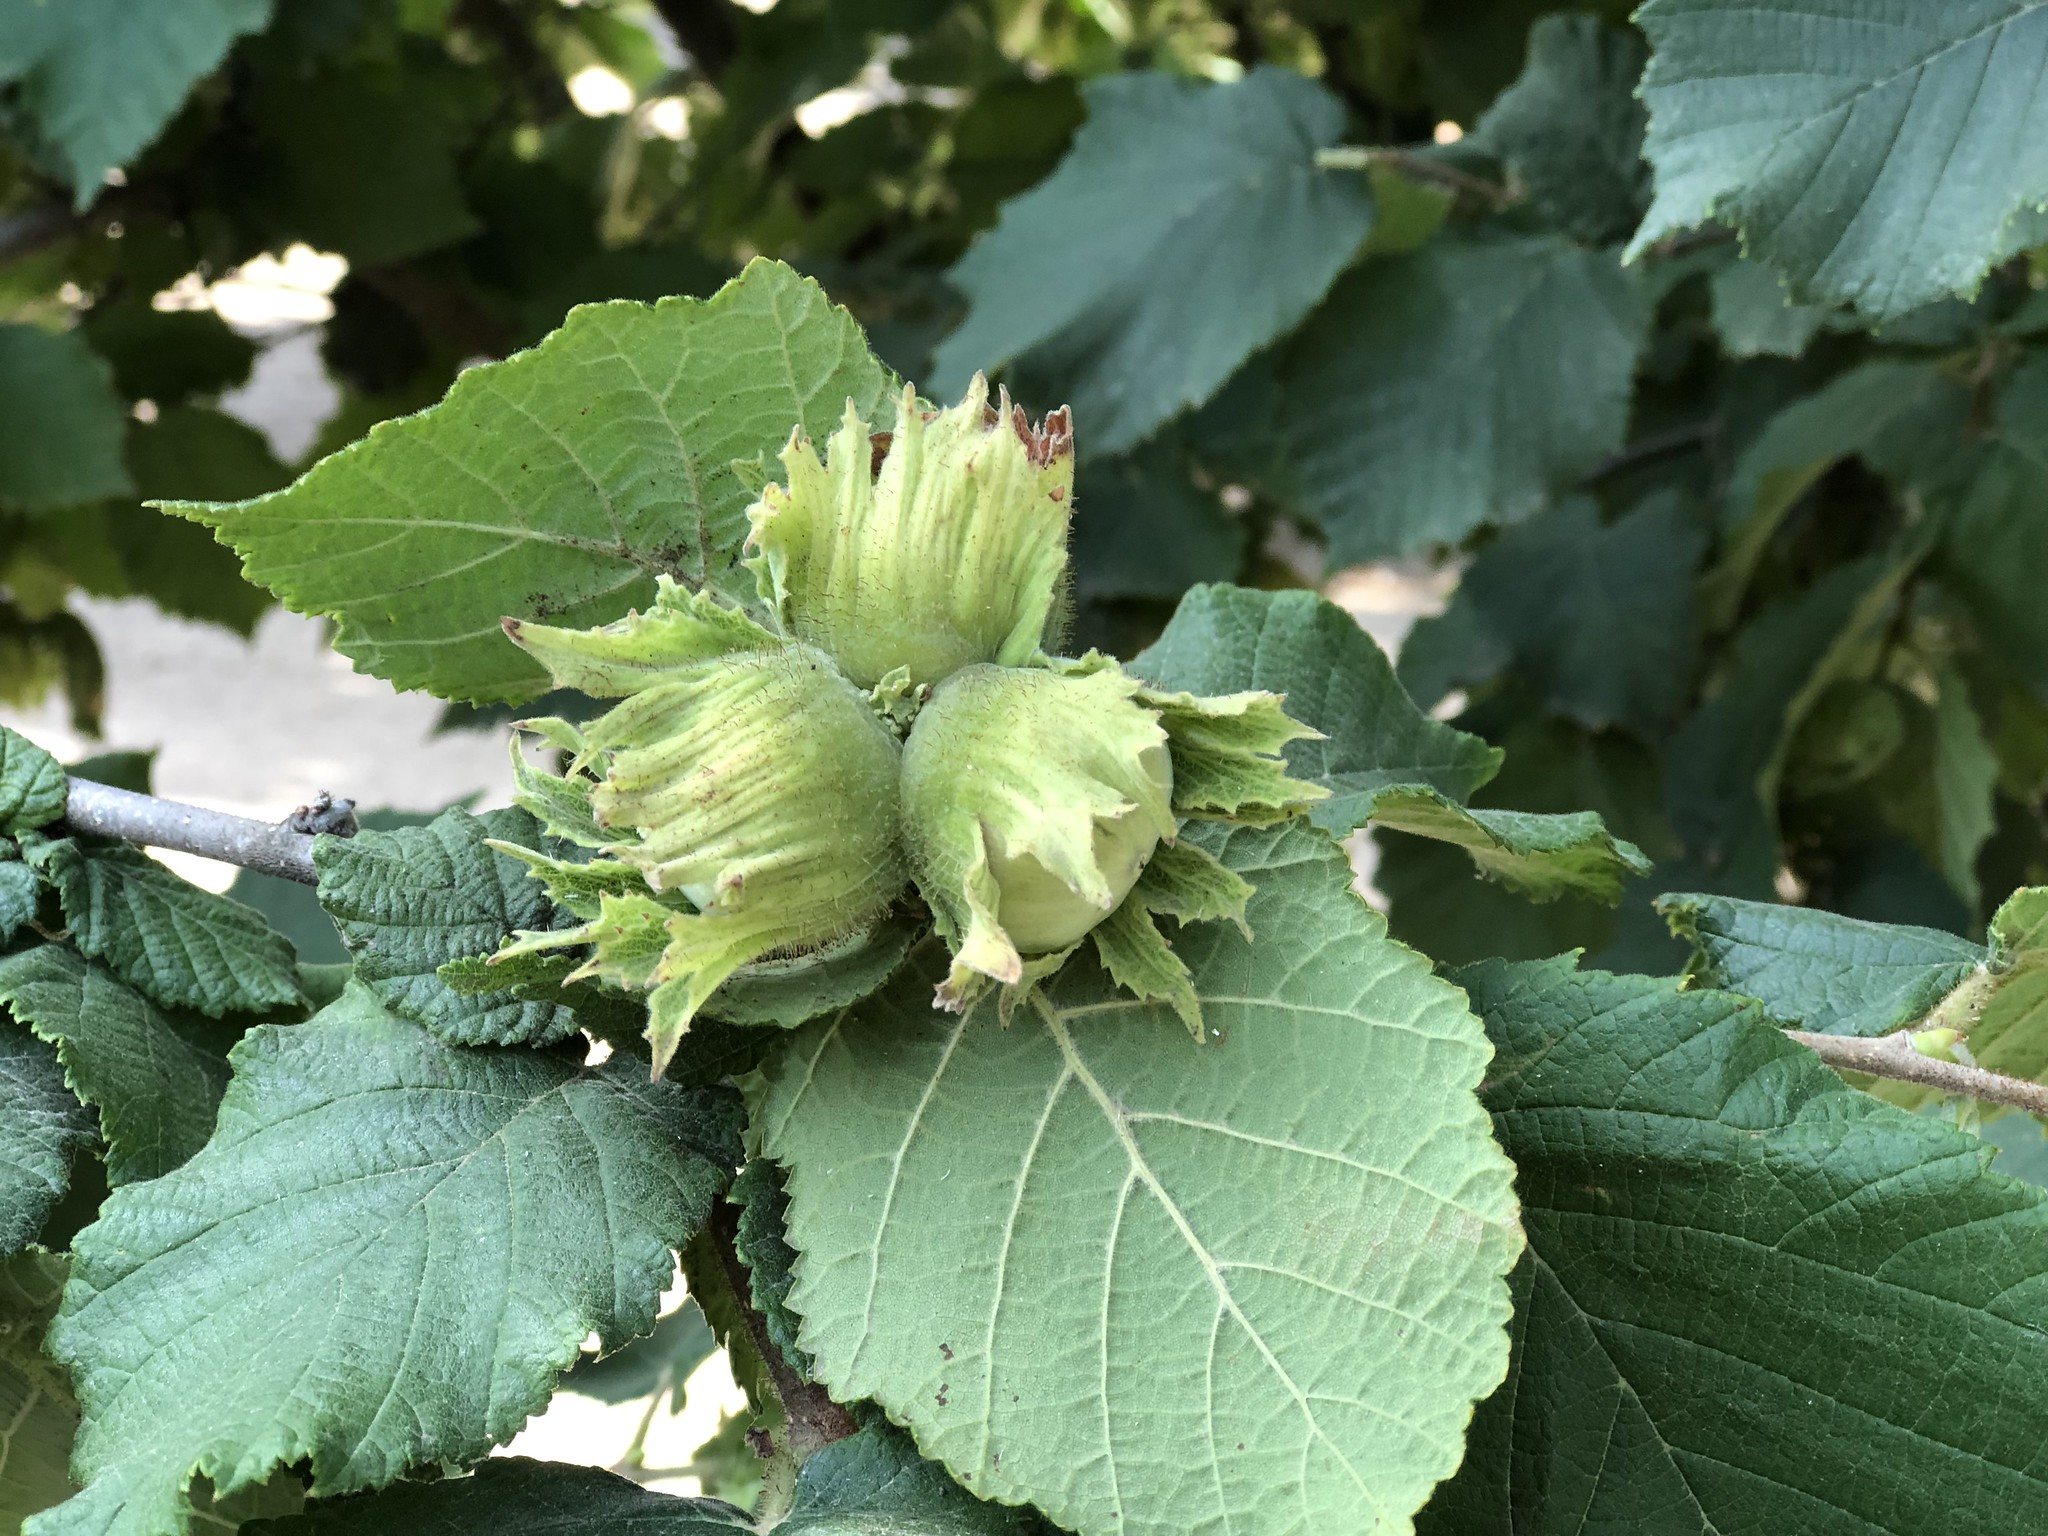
(946, 1350)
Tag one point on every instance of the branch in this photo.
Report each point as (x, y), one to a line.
(815, 1420)
(1418, 167)
(1893, 1056)
(272, 848)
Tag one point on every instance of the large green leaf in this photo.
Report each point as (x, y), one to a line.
(1188, 226)
(60, 421)
(1382, 758)
(42, 1126)
(1599, 616)
(155, 1077)
(1881, 160)
(382, 1258)
(1754, 1299)
(558, 483)
(412, 900)
(169, 939)
(100, 78)
(870, 1485)
(1152, 1285)
(36, 1405)
(1453, 386)
(1571, 130)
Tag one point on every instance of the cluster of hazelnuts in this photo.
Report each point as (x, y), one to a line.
(773, 782)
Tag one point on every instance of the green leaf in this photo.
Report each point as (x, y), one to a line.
(1962, 785)
(1818, 970)
(1722, 784)
(1142, 528)
(1856, 412)
(155, 1077)
(1224, 639)
(167, 938)
(42, 1126)
(1600, 617)
(784, 993)
(412, 900)
(760, 1240)
(557, 483)
(382, 1258)
(32, 785)
(870, 1485)
(1538, 856)
(19, 889)
(99, 80)
(659, 1363)
(61, 424)
(1869, 158)
(1754, 1298)
(1382, 758)
(1993, 539)
(1186, 228)
(1144, 1282)
(1453, 386)
(1754, 316)
(1570, 129)
(35, 1400)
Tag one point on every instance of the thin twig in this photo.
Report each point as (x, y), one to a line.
(1893, 1056)
(1357, 157)
(1656, 445)
(815, 1420)
(268, 847)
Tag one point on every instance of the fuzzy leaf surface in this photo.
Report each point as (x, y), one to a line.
(99, 78)
(1224, 639)
(387, 1251)
(556, 484)
(177, 943)
(1883, 159)
(1144, 1282)
(42, 1126)
(1754, 1298)
(155, 1076)
(412, 900)
(1187, 227)
(1456, 385)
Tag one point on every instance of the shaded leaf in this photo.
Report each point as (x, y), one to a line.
(1187, 227)
(154, 1076)
(166, 937)
(61, 423)
(1095, 1265)
(414, 899)
(19, 889)
(1600, 617)
(369, 1183)
(35, 1400)
(760, 1241)
(42, 1126)
(1869, 158)
(557, 483)
(1755, 317)
(661, 1362)
(1453, 386)
(99, 78)
(1754, 1298)
(1571, 130)
(1143, 529)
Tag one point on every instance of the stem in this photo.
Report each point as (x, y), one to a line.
(1359, 157)
(271, 848)
(1893, 1056)
(815, 1421)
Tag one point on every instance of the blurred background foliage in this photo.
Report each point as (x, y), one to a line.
(1331, 284)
